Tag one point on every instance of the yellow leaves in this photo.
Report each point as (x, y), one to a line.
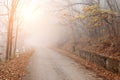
(81, 16)
(96, 16)
(90, 8)
(95, 19)
(108, 14)
(97, 25)
(86, 8)
(103, 11)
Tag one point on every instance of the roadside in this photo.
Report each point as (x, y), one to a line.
(99, 70)
(15, 68)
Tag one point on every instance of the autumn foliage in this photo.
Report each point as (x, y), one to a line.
(100, 28)
(15, 69)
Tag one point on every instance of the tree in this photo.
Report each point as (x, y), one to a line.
(11, 13)
(11, 8)
(96, 17)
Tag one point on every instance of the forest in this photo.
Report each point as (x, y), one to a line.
(94, 25)
(59, 40)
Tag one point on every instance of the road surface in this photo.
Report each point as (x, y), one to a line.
(47, 64)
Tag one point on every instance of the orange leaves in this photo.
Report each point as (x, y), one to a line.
(14, 69)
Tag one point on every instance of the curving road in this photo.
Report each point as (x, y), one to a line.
(47, 64)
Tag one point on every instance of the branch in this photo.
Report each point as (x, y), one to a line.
(108, 21)
(74, 4)
(6, 5)
(4, 14)
(77, 11)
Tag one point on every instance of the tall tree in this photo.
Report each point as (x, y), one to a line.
(11, 11)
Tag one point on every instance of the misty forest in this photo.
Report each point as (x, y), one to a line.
(59, 40)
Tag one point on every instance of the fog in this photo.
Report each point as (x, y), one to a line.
(44, 19)
(42, 27)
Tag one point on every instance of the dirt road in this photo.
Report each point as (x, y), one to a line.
(47, 64)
